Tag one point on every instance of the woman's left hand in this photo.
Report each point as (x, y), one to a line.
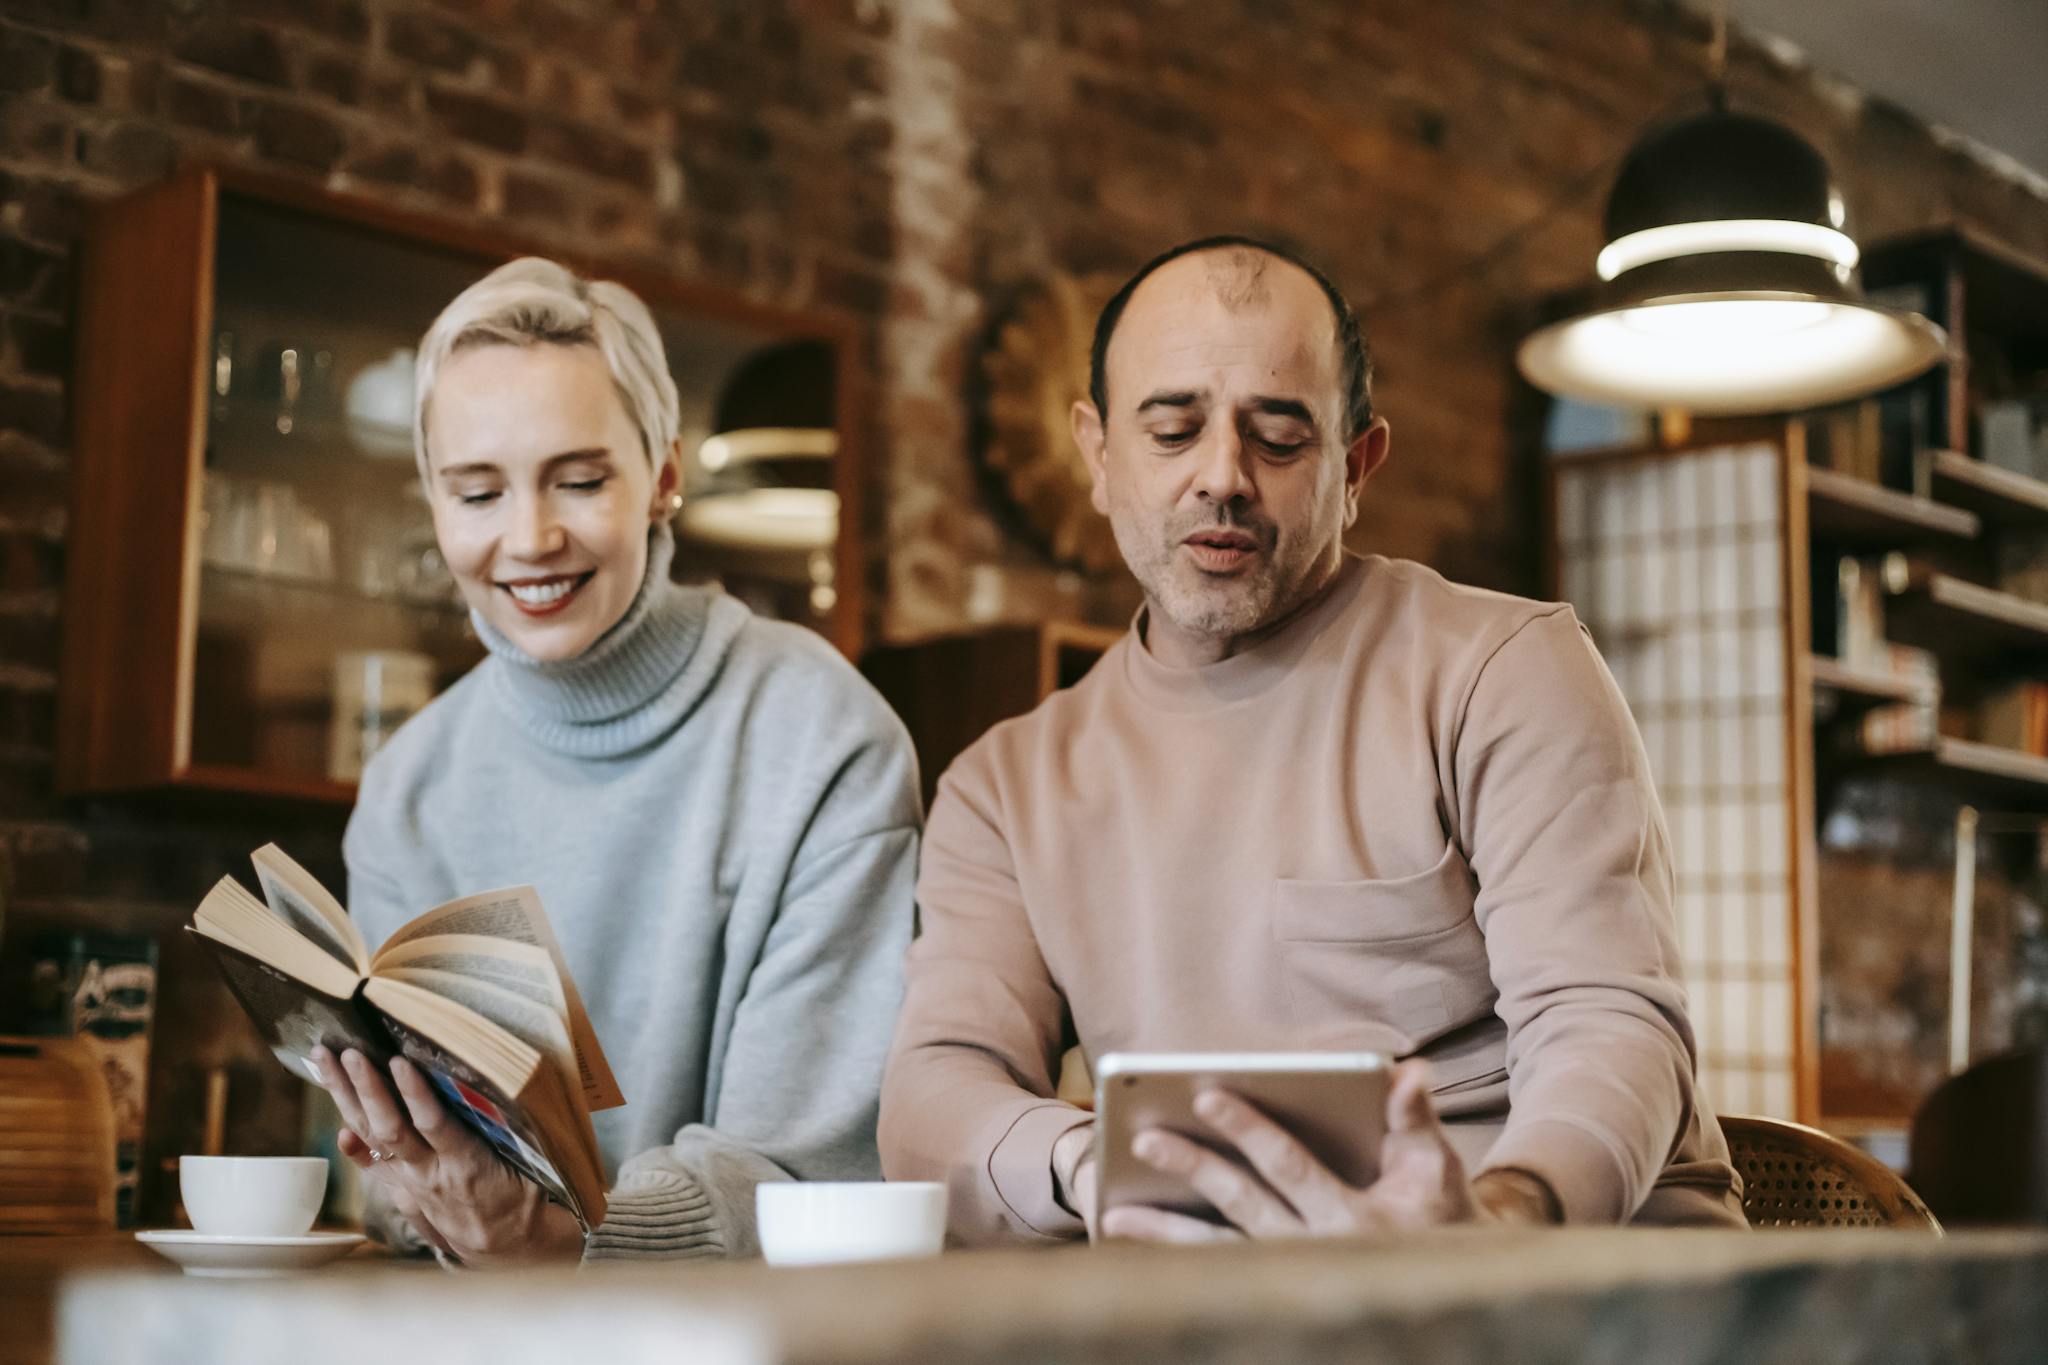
(438, 1173)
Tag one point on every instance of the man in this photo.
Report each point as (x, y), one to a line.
(1312, 800)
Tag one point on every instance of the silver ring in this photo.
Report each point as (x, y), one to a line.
(377, 1156)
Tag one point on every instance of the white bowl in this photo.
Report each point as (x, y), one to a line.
(826, 1222)
(252, 1196)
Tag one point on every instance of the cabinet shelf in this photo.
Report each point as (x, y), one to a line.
(243, 582)
(1970, 629)
(1997, 496)
(1983, 771)
(1856, 513)
(1849, 691)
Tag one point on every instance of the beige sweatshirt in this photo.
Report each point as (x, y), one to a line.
(1416, 819)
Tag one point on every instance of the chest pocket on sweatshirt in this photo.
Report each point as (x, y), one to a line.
(1365, 958)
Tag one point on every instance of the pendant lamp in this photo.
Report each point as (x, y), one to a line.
(766, 481)
(1728, 284)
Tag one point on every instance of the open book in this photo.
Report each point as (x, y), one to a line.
(474, 993)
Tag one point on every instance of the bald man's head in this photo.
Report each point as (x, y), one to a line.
(1238, 271)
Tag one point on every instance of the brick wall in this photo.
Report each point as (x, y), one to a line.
(910, 162)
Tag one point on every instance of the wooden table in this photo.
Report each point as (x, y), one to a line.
(33, 1269)
(1594, 1296)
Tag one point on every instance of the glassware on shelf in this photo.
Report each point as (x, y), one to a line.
(298, 378)
(261, 527)
(379, 407)
(375, 692)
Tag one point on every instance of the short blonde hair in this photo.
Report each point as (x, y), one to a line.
(532, 301)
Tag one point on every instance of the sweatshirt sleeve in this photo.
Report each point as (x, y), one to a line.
(794, 1093)
(1563, 831)
(968, 1095)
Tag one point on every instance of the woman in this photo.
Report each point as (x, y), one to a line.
(720, 815)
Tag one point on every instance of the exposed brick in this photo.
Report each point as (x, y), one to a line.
(32, 276)
(30, 642)
(297, 134)
(236, 49)
(335, 78)
(32, 495)
(851, 290)
(78, 75)
(474, 118)
(453, 179)
(191, 103)
(431, 42)
(530, 197)
(593, 152)
(38, 346)
(445, 177)
(28, 62)
(31, 130)
(29, 562)
(48, 211)
(343, 20)
(35, 409)
(133, 153)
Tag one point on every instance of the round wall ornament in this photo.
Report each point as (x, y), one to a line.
(1034, 370)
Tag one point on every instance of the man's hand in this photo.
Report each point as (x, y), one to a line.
(1422, 1181)
(460, 1195)
(1073, 1173)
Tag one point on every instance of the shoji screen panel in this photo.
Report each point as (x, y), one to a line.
(1675, 563)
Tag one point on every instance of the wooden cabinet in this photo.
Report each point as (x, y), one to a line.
(254, 592)
(1817, 853)
(950, 690)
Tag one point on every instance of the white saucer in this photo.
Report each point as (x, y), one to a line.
(202, 1253)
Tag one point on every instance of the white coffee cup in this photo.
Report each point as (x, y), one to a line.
(252, 1196)
(824, 1222)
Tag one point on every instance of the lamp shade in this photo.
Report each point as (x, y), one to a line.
(768, 468)
(1728, 284)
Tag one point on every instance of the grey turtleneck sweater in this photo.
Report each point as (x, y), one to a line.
(721, 817)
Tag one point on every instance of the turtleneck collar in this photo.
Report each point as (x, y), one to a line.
(623, 692)
(1249, 672)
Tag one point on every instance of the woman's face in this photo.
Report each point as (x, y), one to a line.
(541, 493)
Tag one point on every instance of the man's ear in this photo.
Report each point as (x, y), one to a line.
(1364, 456)
(1088, 435)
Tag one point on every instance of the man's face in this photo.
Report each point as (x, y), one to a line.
(1222, 462)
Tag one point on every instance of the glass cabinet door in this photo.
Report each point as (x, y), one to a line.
(326, 616)
(254, 597)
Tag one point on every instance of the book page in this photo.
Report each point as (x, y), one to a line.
(539, 1027)
(522, 968)
(297, 898)
(229, 914)
(515, 913)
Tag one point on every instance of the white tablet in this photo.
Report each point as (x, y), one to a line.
(1335, 1103)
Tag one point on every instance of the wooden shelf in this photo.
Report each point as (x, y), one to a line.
(1969, 628)
(1999, 497)
(1856, 513)
(1848, 691)
(1983, 771)
(224, 778)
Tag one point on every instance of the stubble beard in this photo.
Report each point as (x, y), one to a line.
(1216, 606)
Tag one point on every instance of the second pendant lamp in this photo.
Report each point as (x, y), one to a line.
(1728, 284)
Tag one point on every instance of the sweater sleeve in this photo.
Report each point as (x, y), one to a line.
(1563, 830)
(794, 1094)
(968, 1099)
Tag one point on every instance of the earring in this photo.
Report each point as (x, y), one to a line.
(675, 503)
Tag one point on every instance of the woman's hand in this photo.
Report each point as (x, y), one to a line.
(1287, 1192)
(436, 1172)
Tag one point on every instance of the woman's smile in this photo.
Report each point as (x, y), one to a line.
(545, 596)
